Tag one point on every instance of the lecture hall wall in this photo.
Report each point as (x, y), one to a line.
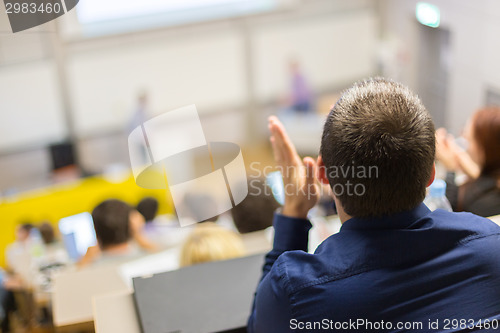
(474, 50)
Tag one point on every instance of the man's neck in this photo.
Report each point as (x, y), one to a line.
(343, 216)
(118, 249)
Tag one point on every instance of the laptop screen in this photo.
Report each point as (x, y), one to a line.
(78, 234)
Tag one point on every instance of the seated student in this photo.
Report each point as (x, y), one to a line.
(210, 242)
(481, 163)
(54, 258)
(54, 250)
(20, 250)
(116, 224)
(148, 207)
(256, 211)
(393, 261)
(161, 231)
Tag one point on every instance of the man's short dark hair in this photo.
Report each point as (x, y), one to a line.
(148, 207)
(382, 125)
(111, 222)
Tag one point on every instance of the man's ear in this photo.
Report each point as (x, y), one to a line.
(321, 173)
(433, 175)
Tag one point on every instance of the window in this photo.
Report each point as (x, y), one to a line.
(98, 17)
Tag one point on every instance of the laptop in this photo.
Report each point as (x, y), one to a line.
(208, 297)
(78, 234)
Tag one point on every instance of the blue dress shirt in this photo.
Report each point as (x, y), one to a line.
(416, 271)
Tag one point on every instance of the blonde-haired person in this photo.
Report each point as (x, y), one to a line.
(210, 242)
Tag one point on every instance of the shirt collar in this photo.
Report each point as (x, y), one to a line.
(396, 221)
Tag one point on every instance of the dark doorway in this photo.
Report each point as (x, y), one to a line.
(433, 70)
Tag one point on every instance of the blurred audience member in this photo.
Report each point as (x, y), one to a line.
(480, 162)
(116, 224)
(159, 229)
(140, 114)
(210, 242)
(17, 252)
(256, 211)
(148, 207)
(137, 224)
(112, 227)
(54, 249)
(54, 258)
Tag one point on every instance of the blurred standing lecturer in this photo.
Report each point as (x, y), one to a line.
(393, 259)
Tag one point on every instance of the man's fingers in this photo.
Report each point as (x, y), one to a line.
(274, 144)
(310, 165)
(283, 142)
(279, 140)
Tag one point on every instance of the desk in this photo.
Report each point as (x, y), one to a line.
(73, 292)
(115, 313)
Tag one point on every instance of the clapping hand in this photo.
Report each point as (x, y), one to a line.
(299, 176)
